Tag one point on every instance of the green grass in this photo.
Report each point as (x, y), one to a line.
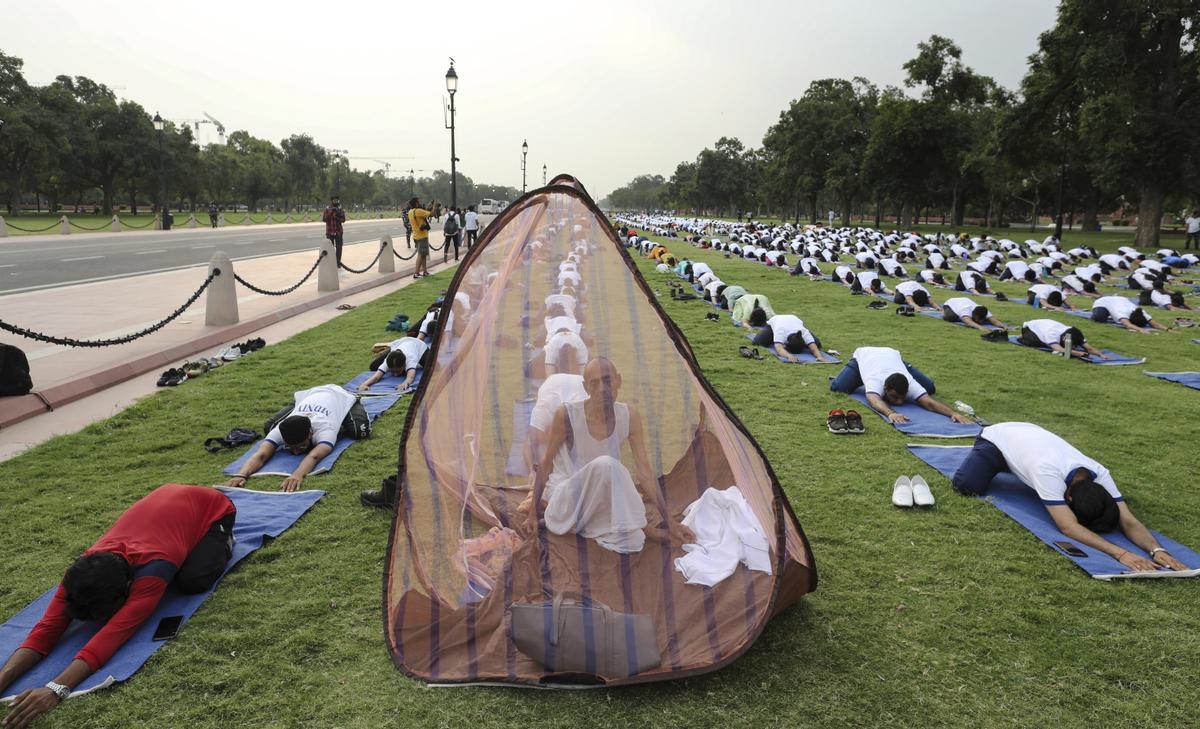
(36, 223)
(949, 617)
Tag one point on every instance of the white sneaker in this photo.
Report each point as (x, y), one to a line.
(902, 493)
(921, 494)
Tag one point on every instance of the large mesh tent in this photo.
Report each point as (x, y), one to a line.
(476, 590)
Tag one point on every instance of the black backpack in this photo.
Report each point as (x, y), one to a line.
(451, 226)
(14, 371)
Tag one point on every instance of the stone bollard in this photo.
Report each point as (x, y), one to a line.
(221, 305)
(116, 223)
(158, 221)
(3, 228)
(65, 228)
(220, 220)
(270, 219)
(247, 220)
(288, 219)
(327, 270)
(305, 219)
(387, 261)
(191, 223)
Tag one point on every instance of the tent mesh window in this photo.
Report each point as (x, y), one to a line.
(582, 588)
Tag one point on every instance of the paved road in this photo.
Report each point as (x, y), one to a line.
(28, 263)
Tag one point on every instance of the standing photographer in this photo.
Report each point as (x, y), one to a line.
(333, 217)
(418, 219)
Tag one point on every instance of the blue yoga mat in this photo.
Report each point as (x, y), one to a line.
(1020, 502)
(938, 315)
(283, 463)
(522, 410)
(386, 386)
(1191, 379)
(804, 357)
(260, 514)
(923, 422)
(1114, 358)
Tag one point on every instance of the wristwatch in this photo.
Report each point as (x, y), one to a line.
(61, 691)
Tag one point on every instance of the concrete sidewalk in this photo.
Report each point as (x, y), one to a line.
(107, 309)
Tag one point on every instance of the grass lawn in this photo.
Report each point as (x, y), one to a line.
(47, 223)
(949, 617)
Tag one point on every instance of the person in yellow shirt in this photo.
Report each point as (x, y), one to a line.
(658, 253)
(418, 218)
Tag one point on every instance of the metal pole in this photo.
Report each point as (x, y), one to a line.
(543, 175)
(1058, 218)
(524, 152)
(162, 181)
(453, 159)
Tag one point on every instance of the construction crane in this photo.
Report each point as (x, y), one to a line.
(219, 125)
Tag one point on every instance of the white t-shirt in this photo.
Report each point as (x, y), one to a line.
(1159, 298)
(472, 220)
(1043, 291)
(866, 277)
(891, 266)
(699, 269)
(1017, 268)
(555, 324)
(876, 364)
(569, 277)
(981, 265)
(908, 288)
(1193, 224)
(557, 389)
(1044, 461)
(556, 343)
(936, 260)
(785, 325)
(325, 406)
(706, 278)
(566, 301)
(712, 286)
(1047, 331)
(1118, 307)
(927, 275)
(430, 317)
(413, 350)
(1113, 260)
(969, 280)
(1072, 281)
(961, 306)
(841, 272)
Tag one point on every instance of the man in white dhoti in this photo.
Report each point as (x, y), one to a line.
(581, 485)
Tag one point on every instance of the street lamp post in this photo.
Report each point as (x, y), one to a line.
(543, 175)
(452, 86)
(162, 178)
(524, 152)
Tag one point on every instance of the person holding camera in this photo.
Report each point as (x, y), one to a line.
(418, 220)
(333, 217)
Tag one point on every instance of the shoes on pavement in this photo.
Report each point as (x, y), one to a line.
(165, 378)
(229, 354)
(902, 492)
(921, 494)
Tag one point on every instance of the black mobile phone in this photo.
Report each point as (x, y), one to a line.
(168, 627)
(1070, 549)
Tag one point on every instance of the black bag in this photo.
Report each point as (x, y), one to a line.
(14, 371)
(356, 425)
(451, 226)
(237, 437)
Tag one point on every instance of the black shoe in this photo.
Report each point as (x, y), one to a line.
(382, 498)
(256, 344)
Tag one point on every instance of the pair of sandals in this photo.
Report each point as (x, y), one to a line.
(712, 316)
(995, 335)
(749, 353)
(845, 422)
(908, 492)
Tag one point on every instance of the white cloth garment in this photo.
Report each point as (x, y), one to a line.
(590, 492)
(727, 534)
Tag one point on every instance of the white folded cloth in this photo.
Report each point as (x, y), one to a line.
(727, 533)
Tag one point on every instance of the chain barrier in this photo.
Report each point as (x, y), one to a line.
(369, 265)
(432, 247)
(409, 257)
(68, 342)
(39, 230)
(138, 227)
(84, 227)
(281, 292)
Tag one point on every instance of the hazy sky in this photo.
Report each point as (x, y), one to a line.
(603, 90)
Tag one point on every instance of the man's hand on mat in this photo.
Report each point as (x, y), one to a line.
(29, 705)
(896, 417)
(960, 418)
(1166, 560)
(236, 482)
(291, 483)
(1137, 563)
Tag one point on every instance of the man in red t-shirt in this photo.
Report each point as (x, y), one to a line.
(176, 534)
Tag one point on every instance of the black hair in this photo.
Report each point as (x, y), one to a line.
(556, 310)
(295, 429)
(981, 284)
(1094, 507)
(921, 297)
(1177, 298)
(896, 382)
(1054, 298)
(97, 585)
(1144, 298)
(1138, 318)
(721, 290)
(414, 202)
(979, 314)
(1075, 336)
(758, 317)
(1089, 287)
(1030, 275)
(876, 285)
(795, 343)
(396, 360)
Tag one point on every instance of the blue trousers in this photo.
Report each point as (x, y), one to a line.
(849, 379)
(976, 473)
